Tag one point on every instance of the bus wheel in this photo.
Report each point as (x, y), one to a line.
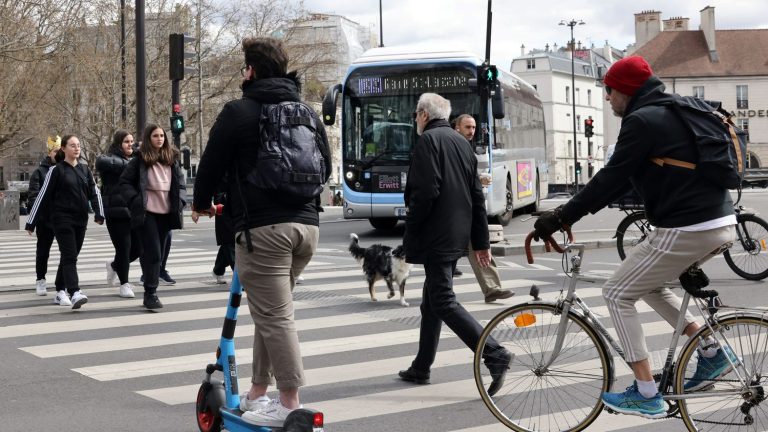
(383, 223)
(505, 217)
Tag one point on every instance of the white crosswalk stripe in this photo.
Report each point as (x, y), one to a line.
(352, 347)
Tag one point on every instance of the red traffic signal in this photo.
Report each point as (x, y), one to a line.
(589, 127)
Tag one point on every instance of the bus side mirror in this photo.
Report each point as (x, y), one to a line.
(329, 104)
(497, 102)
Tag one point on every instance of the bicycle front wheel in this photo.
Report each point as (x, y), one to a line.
(632, 230)
(561, 396)
(748, 257)
(727, 404)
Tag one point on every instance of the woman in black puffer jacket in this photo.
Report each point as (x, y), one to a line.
(125, 239)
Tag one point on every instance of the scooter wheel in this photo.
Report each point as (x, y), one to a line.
(208, 416)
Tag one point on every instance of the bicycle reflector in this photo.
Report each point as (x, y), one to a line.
(317, 422)
(525, 319)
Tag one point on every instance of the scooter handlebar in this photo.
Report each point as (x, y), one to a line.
(549, 243)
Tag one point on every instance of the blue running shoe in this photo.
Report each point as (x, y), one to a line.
(710, 369)
(633, 403)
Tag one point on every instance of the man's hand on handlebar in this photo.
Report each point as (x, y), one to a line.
(548, 223)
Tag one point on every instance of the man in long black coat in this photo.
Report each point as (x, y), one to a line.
(446, 209)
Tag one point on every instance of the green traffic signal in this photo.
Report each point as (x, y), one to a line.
(177, 124)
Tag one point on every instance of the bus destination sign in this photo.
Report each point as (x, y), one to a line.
(414, 83)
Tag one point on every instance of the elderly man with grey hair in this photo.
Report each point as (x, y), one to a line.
(446, 210)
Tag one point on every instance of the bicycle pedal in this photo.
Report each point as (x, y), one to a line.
(609, 411)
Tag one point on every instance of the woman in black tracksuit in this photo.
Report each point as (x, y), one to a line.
(126, 240)
(63, 199)
(44, 230)
(154, 189)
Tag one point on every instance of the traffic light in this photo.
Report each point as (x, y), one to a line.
(186, 157)
(176, 63)
(589, 127)
(488, 74)
(578, 168)
(177, 124)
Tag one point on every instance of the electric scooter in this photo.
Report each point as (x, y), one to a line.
(218, 402)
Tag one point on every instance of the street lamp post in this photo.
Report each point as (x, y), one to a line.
(572, 23)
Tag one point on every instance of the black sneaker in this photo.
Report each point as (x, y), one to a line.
(457, 273)
(414, 376)
(166, 279)
(152, 302)
(498, 364)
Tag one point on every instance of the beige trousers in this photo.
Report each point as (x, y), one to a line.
(488, 277)
(661, 258)
(280, 253)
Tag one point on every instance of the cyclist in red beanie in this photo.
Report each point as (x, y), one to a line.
(692, 216)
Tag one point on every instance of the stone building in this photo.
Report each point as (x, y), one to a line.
(722, 65)
(549, 71)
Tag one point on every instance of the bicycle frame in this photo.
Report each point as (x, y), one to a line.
(571, 299)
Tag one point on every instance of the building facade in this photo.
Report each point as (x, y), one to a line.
(550, 72)
(728, 66)
(324, 45)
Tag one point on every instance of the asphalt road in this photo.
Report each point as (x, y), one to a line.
(114, 366)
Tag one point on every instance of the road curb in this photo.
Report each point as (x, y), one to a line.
(506, 249)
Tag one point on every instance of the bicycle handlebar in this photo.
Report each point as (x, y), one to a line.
(549, 244)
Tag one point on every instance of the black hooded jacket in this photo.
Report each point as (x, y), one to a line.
(110, 167)
(36, 180)
(133, 189)
(231, 150)
(673, 196)
(446, 206)
(64, 197)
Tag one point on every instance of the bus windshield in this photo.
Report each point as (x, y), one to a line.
(379, 104)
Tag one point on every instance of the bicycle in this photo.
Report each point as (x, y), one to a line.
(748, 257)
(562, 362)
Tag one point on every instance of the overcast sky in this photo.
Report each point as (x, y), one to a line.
(461, 24)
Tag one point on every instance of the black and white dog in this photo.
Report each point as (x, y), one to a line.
(382, 262)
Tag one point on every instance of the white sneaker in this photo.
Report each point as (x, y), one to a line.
(219, 279)
(299, 279)
(41, 288)
(253, 405)
(111, 275)
(62, 298)
(78, 299)
(126, 291)
(272, 414)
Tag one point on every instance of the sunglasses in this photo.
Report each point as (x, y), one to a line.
(608, 90)
(416, 114)
(243, 70)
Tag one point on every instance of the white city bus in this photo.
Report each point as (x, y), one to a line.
(378, 98)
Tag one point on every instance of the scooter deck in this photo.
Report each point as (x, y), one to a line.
(234, 423)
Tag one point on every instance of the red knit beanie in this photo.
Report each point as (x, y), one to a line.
(628, 74)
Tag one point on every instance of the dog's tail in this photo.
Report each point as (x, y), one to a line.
(354, 247)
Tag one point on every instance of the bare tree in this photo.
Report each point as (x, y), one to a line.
(33, 35)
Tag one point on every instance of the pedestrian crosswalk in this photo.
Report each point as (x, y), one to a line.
(352, 347)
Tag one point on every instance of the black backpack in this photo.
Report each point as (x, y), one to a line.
(290, 161)
(721, 146)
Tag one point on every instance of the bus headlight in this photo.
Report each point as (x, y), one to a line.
(349, 175)
(357, 185)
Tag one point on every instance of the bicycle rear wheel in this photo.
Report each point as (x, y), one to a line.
(632, 230)
(728, 406)
(748, 257)
(562, 397)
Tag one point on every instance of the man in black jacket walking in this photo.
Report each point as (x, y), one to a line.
(446, 210)
(693, 217)
(275, 239)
